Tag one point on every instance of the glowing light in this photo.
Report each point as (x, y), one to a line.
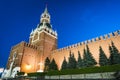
(41, 67)
(25, 74)
(40, 70)
(28, 67)
(40, 63)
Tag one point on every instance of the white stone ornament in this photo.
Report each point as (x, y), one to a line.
(7, 72)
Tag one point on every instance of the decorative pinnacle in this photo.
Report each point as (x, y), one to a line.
(46, 11)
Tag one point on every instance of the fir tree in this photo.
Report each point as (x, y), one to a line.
(114, 55)
(72, 61)
(47, 64)
(64, 64)
(79, 62)
(91, 60)
(69, 60)
(74, 64)
(88, 58)
(102, 57)
(53, 65)
(111, 62)
(85, 59)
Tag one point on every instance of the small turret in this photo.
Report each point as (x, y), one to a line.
(45, 17)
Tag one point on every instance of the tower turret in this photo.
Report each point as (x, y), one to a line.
(45, 17)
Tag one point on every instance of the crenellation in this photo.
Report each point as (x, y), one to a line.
(101, 37)
(111, 34)
(116, 33)
(70, 46)
(76, 45)
(73, 46)
(97, 38)
(93, 40)
(88, 41)
(82, 43)
(61, 49)
(85, 42)
(67, 47)
(30, 45)
(106, 36)
(58, 50)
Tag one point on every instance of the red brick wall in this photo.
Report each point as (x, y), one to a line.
(59, 55)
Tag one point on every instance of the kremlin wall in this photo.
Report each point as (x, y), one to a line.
(93, 44)
(30, 56)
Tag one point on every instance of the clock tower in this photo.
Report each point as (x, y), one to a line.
(44, 37)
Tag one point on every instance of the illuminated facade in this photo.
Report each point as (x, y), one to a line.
(43, 43)
(42, 40)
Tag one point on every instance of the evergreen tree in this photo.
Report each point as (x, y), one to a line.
(88, 58)
(114, 55)
(69, 60)
(85, 59)
(74, 64)
(53, 65)
(72, 61)
(91, 60)
(102, 57)
(47, 64)
(79, 62)
(111, 62)
(64, 64)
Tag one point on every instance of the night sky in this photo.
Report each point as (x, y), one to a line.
(74, 20)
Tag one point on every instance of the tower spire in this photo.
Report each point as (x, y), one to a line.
(45, 17)
(46, 10)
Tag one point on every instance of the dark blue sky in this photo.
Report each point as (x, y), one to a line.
(74, 20)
